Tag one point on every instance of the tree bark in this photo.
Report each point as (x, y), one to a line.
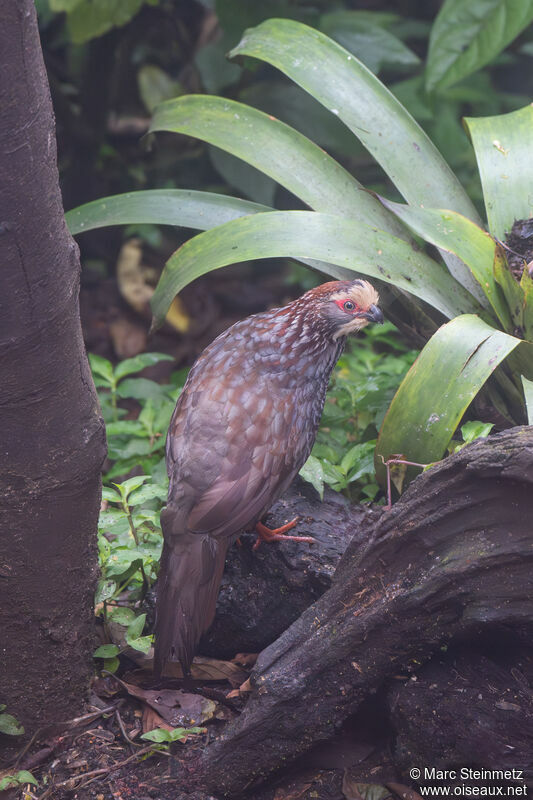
(453, 557)
(53, 439)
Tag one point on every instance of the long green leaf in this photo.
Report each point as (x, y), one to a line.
(349, 90)
(189, 209)
(276, 149)
(459, 235)
(528, 394)
(439, 387)
(180, 207)
(309, 235)
(467, 35)
(504, 152)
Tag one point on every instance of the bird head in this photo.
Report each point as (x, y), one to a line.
(347, 306)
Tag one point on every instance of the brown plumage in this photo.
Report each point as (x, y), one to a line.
(243, 426)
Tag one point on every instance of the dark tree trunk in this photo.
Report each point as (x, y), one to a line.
(453, 558)
(53, 439)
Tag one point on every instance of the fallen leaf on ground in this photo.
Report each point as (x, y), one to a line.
(176, 707)
(151, 720)
(243, 688)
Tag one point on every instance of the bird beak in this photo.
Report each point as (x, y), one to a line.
(374, 314)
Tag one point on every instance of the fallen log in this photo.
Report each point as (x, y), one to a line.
(264, 591)
(452, 558)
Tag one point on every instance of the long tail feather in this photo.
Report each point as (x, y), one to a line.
(189, 579)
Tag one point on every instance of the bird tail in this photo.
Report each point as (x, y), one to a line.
(189, 579)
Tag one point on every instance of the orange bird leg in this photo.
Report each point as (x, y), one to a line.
(265, 534)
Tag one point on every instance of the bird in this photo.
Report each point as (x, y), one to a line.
(243, 426)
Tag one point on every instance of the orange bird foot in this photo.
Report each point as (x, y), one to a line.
(265, 534)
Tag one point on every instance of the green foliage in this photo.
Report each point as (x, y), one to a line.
(87, 19)
(162, 736)
(466, 36)
(136, 442)
(362, 386)
(17, 779)
(8, 724)
(471, 431)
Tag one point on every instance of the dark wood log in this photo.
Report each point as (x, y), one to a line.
(265, 590)
(453, 557)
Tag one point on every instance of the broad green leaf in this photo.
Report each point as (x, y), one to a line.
(111, 664)
(121, 614)
(131, 484)
(158, 735)
(457, 234)
(350, 91)
(110, 495)
(335, 78)
(364, 37)
(104, 591)
(305, 234)
(291, 104)
(10, 726)
(147, 492)
(91, 18)
(136, 627)
(140, 362)
(140, 388)
(467, 35)
(126, 427)
(175, 735)
(101, 366)
(312, 473)
(156, 85)
(504, 152)
(474, 429)
(188, 209)
(439, 387)
(106, 651)
(528, 394)
(142, 643)
(275, 149)
(243, 178)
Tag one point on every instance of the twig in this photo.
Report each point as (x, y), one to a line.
(131, 743)
(95, 773)
(57, 727)
(396, 460)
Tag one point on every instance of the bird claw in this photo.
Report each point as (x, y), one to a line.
(265, 534)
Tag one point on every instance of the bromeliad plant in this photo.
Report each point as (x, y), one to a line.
(350, 230)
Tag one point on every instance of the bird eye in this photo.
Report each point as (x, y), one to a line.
(349, 306)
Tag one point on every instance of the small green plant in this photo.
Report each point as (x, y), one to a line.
(163, 738)
(362, 386)
(17, 779)
(140, 442)
(9, 724)
(470, 431)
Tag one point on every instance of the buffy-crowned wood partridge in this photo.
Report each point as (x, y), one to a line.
(243, 426)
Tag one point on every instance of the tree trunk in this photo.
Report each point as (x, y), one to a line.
(452, 558)
(53, 439)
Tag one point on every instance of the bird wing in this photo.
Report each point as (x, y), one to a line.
(227, 443)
